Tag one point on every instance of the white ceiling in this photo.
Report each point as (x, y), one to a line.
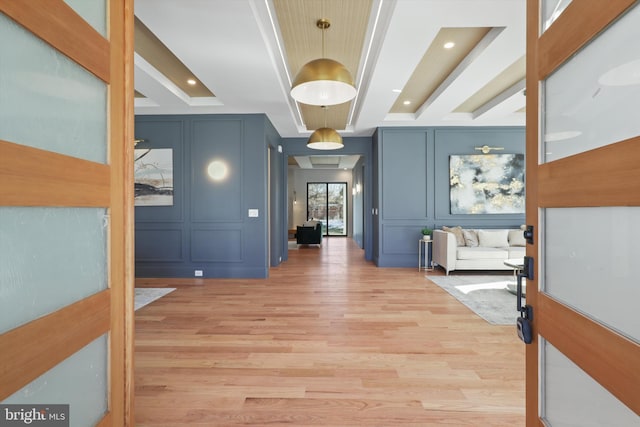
(326, 161)
(233, 47)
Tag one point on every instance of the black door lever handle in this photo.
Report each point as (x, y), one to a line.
(528, 234)
(525, 331)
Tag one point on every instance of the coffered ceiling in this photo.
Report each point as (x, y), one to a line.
(242, 55)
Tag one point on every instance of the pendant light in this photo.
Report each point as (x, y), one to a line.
(323, 81)
(325, 138)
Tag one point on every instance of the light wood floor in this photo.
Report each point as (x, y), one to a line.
(328, 340)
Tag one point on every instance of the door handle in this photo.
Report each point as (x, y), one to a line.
(528, 234)
(523, 324)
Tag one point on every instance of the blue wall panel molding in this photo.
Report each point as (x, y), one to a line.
(159, 244)
(411, 185)
(404, 195)
(221, 271)
(212, 246)
(216, 140)
(399, 240)
(216, 234)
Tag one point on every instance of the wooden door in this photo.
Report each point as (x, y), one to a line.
(583, 197)
(66, 207)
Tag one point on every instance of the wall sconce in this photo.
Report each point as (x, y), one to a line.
(295, 198)
(485, 149)
(217, 170)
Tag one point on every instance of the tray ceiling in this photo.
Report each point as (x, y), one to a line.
(243, 55)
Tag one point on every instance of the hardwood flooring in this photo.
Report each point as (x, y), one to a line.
(327, 340)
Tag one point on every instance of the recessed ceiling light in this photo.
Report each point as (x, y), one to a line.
(407, 102)
(191, 82)
(396, 90)
(449, 45)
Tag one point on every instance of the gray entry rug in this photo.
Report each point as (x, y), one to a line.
(487, 296)
(146, 296)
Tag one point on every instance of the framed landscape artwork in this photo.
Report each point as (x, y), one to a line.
(487, 184)
(153, 172)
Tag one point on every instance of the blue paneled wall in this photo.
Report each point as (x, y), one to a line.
(208, 227)
(411, 185)
(403, 175)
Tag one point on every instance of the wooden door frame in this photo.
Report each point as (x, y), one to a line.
(549, 185)
(121, 155)
(35, 347)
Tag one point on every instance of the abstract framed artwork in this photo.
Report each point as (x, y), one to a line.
(153, 174)
(487, 184)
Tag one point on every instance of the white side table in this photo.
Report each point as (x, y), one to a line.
(427, 254)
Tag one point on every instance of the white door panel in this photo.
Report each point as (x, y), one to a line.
(593, 99)
(591, 260)
(574, 399)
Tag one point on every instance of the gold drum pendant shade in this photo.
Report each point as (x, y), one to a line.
(323, 81)
(325, 139)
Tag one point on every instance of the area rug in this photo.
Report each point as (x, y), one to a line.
(292, 245)
(487, 296)
(146, 296)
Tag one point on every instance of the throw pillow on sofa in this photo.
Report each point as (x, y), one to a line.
(516, 238)
(493, 238)
(456, 231)
(470, 238)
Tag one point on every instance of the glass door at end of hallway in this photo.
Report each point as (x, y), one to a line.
(327, 202)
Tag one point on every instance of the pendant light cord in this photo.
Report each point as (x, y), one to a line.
(323, 27)
(323, 55)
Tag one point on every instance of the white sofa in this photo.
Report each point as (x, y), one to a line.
(477, 249)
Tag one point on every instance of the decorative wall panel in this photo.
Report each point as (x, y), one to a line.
(216, 245)
(216, 199)
(404, 195)
(159, 245)
(208, 227)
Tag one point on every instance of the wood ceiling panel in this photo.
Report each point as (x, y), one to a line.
(503, 81)
(344, 41)
(303, 40)
(148, 46)
(436, 65)
(336, 116)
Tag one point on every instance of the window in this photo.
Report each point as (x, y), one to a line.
(327, 202)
